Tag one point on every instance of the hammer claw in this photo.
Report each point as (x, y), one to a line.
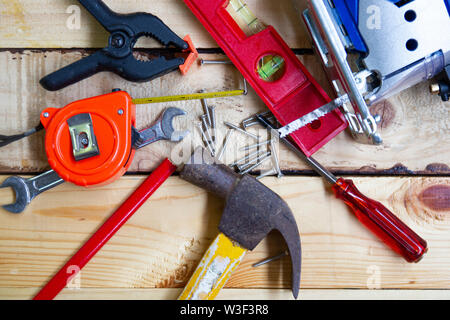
(292, 239)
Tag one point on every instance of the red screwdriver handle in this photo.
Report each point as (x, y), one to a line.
(382, 222)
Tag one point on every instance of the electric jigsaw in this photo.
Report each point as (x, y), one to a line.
(372, 49)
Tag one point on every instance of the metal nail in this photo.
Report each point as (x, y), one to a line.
(241, 168)
(205, 138)
(212, 113)
(256, 165)
(202, 62)
(253, 121)
(249, 123)
(225, 144)
(254, 146)
(206, 109)
(252, 161)
(264, 114)
(270, 172)
(266, 261)
(254, 136)
(275, 158)
(246, 158)
(207, 132)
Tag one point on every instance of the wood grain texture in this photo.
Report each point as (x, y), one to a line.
(163, 242)
(155, 253)
(230, 294)
(44, 23)
(415, 125)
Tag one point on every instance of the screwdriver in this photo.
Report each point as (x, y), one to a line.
(372, 214)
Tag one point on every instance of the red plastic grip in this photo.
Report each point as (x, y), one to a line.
(106, 231)
(382, 222)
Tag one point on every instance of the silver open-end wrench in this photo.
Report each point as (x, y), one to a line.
(27, 189)
(161, 130)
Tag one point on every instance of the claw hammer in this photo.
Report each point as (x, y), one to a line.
(252, 211)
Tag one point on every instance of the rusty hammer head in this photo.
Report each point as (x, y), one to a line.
(252, 210)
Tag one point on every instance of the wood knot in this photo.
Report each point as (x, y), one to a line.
(386, 111)
(436, 197)
(429, 200)
(398, 169)
(439, 168)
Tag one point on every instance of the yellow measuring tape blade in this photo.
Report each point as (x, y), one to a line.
(193, 96)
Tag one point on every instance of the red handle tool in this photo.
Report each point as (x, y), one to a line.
(382, 222)
(107, 230)
(372, 214)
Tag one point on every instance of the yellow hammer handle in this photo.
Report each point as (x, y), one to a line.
(216, 267)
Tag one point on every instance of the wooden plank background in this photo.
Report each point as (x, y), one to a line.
(156, 251)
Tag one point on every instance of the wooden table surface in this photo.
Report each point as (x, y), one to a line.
(154, 254)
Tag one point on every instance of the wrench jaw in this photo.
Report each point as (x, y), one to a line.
(161, 130)
(167, 120)
(23, 194)
(27, 189)
(167, 124)
(178, 136)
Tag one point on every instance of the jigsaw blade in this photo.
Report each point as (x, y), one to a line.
(313, 116)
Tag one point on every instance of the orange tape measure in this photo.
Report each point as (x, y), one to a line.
(89, 142)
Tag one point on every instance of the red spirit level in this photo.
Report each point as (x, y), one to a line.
(271, 68)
